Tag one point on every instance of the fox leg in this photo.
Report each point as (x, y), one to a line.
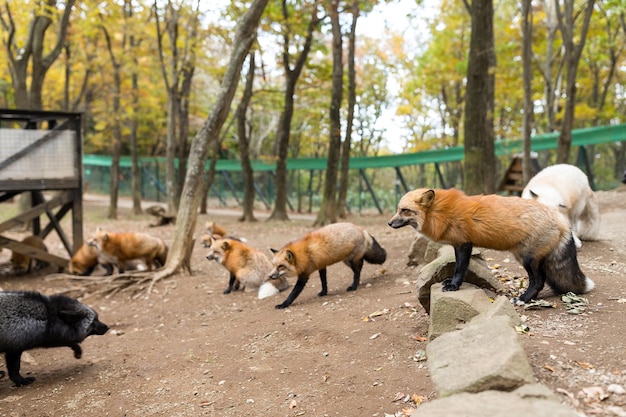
(232, 284)
(297, 289)
(324, 291)
(356, 267)
(536, 279)
(462, 256)
(13, 359)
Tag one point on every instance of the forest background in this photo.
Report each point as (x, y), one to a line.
(145, 74)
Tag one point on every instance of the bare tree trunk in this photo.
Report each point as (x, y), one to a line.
(284, 125)
(328, 208)
(347, 142)
(29, 63)
(573, 52)
(244, 144)
(117, 129)
(177, 78)
(480, 159)
(182, 243)
(527, 32)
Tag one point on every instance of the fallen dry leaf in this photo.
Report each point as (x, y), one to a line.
(584, 365)
(549, 368)
(417, 399)
(408, 411)
(419, 338)
(398, 397)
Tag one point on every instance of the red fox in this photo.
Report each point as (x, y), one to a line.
(85, 260)
(117, 248)
(321, 248)
(538, 236)
(248, 267)
(24, 263)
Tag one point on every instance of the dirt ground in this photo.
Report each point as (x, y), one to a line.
(186, 349)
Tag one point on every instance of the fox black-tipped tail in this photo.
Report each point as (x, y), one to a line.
(563, 273)
(375, 254)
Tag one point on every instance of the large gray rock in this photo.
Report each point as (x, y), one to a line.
(423, 251)
(442, 267)
(485, 355)
(451, 310)
(501, 306)
(528, 401)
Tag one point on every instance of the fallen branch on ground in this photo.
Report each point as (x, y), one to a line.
(139, 282)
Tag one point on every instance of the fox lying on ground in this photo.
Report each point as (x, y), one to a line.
(538, 235)
(567, 188)
(24, 263)
(32, 320)
(117, 248)
(248, 267)
(339, 242)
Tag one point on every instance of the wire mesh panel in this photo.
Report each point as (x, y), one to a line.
(37, 154)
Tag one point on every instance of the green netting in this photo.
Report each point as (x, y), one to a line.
(548, 141)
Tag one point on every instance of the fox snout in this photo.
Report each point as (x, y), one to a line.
(274, 275)
(398, 221)
(99, 328)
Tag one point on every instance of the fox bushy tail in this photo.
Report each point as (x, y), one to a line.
(375, 254)
(562, 271)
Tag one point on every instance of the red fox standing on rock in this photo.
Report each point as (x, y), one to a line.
(321, 248)
(117, 248)
(538, 236)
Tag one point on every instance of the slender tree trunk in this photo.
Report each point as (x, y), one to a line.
(182, 243)
(284, 125)
(527, 32)
(480, 160)
(244, 144)
(573, 53)
(328, 209)
(347, 142)
(134, 154)
(117, 129)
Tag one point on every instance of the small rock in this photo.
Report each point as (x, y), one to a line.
(616, 389)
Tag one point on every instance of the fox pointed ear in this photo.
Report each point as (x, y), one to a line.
(291, 258)
(71, 316)
(225, 245)
(273, 250)
(427, 198)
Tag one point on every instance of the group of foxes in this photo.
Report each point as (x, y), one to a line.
(542, 229)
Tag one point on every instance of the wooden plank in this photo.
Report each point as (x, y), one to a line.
(21, 219)
(33, 252)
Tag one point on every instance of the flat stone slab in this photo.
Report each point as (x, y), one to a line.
(442, 268)
(451, 310)
(485, 355)
(528, 401)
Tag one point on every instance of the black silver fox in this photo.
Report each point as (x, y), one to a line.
(31, 320)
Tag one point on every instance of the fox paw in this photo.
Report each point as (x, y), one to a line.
(281, 306)
(517, 302)
(20, 381)
(449, 286)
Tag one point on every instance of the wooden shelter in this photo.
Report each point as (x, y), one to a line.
(41, 155)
